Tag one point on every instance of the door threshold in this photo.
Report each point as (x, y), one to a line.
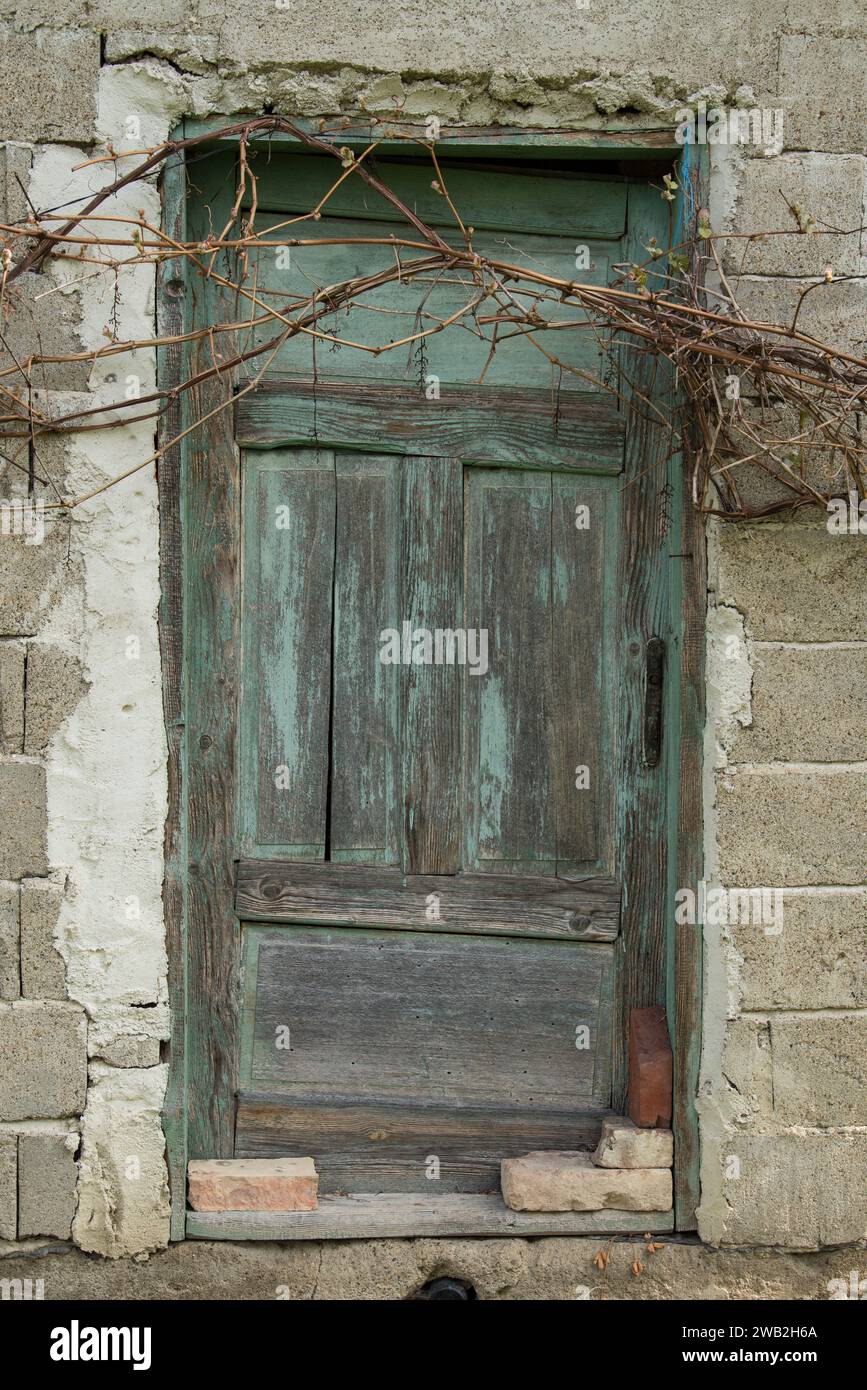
(365, 1215)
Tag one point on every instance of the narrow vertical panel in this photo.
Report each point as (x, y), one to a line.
(431, 570)
(364, 791)
(211, 526)
(579, 539)
(643, 613)
(509, 715)
(288, 572)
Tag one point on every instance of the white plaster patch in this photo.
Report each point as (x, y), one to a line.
(123, 1196)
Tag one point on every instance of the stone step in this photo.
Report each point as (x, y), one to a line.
(572, 1182)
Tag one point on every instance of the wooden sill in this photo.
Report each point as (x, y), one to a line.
(368, 1215)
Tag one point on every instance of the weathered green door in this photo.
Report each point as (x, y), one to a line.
(438, 573)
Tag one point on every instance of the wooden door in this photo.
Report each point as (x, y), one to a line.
(430, 865)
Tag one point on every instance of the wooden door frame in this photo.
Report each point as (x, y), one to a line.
(200, 972)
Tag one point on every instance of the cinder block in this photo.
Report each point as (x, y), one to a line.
(817, 961)
(23, 842)
(821, 81)
(43, 1060)
(800, 1191)
(623, 1145)
(253, 1184)
(784, 826)
(43, 971)
(8, 1186)
(12, 658)
(130, 1052)
(650, 1068)
(807, 706)
(572, 1182)
(794, 583)
(47, 1174)
(55, 685)
(820, 1069)
(10, 970)
(834, 314)
(15, 161)
(48, 84)
(746, 1068)
(830, 188)
(40, 324)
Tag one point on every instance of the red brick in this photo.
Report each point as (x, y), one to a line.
(252, 1184)
(650, 1069)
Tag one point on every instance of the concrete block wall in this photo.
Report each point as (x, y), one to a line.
(83, 1014)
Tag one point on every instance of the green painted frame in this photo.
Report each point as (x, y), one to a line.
(684, 696)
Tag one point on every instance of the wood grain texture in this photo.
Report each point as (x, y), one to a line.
(642, 827)
(431, 571)
(424, 1016)
(510, 720)
(517, 200)
(581, 627)
(171, 291)
(211, 523)
(337, 895)
(364, 1217)
(516, 428)
(378, 1144)
(289, 519)
(364, 812)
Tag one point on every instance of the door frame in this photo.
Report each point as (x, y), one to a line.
(202, 983)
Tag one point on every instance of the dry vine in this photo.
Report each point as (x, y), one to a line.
(738, 379)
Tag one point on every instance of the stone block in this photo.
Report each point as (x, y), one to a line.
(746, 1068)
(572, 1182)
(834, 314)
(32, 571)
(10, 969)
(43, 971)
(12, 659)
(830, 188)
(650, 1068)
(820, 1069)
(818, 960)
(23, 842)
(793, 583)
(48, 84)
(807, 706)
(8, 1186)
(43, 324)
(130, 1052)
(784, 826)
(47, 1174)
(43, 1060)
(623, 1145)
(15, 161)
(799, 1191)
(55, 685)
(123, 1198)
(821, 81)
(253, 1184)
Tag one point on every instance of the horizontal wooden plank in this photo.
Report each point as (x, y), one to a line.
(512, 427)
(348, 895)
(365, 1216)
(517, 200)
(383, 1145)
(466, 1020)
